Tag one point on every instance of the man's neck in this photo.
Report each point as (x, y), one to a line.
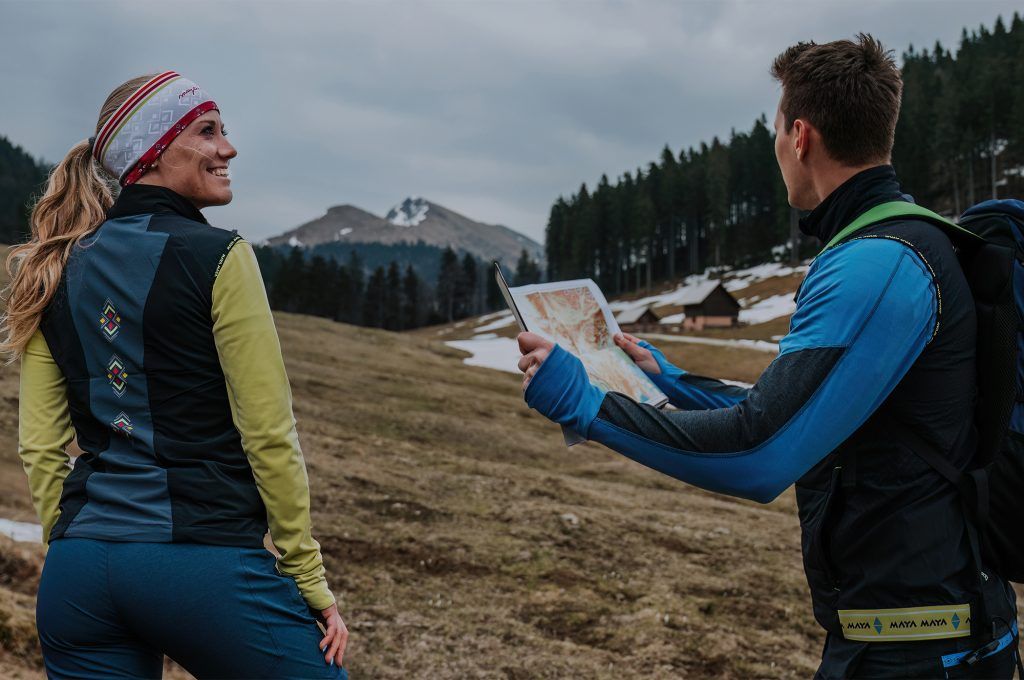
(825, 182)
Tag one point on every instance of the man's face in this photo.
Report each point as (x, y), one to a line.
(795, 173)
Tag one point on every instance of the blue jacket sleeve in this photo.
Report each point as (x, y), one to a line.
(864, 314)
(688, 391)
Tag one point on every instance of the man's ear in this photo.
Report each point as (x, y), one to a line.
(801, 137)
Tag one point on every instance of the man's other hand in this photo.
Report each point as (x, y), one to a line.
(535, 350)
(641, 356)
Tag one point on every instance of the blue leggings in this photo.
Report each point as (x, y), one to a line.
(112, 610)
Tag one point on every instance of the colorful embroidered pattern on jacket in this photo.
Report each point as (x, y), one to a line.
(110, 321)
(117, 376)
(122, 423)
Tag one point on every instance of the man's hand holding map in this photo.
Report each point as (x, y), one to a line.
(575, 315)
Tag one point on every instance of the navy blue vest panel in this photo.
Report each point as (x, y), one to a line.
(881, 528)
(130, 327)
(895, 533)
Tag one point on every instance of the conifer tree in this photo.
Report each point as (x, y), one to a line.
(466, 291)
(495, 300)
(411, 314)
(312, 298)
(527, 269)
(447, 282)
(392, 316)
(357, 287)
(341, 291)
(285, 294)
(21, 179)
(375, 300)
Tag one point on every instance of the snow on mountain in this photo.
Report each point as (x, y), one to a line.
(413, 220)
(409, 212)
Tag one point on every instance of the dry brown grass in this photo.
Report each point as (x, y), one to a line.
(776, 285)
(461, 536)
(730, 363)
(464, 540)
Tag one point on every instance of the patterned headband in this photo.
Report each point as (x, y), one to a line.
(146, 123)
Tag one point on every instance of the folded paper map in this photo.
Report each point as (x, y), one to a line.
(575, 314)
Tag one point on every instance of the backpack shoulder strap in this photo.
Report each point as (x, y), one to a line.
(884, 212)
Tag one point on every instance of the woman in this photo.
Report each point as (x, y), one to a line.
(145, 333)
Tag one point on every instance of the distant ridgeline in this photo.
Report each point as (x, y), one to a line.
(959, 140)
(422, 264)
(394, 296)
(21, 177)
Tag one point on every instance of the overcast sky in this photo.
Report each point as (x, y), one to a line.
(490, 108)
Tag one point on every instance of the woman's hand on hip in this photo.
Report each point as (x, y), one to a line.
(333, 644)
(535, 350)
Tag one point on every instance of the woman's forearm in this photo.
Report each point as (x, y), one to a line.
(261, 406)
(44, 429)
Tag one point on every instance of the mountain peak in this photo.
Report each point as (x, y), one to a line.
(409, 212)
(413, 221)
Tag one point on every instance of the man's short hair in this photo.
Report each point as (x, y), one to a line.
(850, 91)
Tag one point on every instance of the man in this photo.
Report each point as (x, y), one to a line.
(879, 361)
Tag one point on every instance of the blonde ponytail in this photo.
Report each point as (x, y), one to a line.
(75, 202)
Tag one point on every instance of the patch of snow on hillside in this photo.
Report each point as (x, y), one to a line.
(693, 287)
(344, 232)
(501, 354)
(22, 531)
(698, 285)
(409, 212)
(758, 345)
(496, 324)
(673, 318)
(741, 278)
(768, 309)
(294, 242)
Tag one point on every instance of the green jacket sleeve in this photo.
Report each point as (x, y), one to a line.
(44, 429)
(261, 405)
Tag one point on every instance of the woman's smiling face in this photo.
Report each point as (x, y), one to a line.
(195, 164)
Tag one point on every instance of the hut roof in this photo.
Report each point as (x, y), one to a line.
(633, 314)
(694, 294)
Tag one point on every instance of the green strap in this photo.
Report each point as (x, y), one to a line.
(893, 209)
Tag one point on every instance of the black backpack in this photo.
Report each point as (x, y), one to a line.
(990, 245)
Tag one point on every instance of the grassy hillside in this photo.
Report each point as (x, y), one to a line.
(461, 536)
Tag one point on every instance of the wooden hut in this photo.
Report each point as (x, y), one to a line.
(642, 319)
(702, 305)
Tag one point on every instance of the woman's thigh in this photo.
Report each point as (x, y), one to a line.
(218, 611)
(81, 632)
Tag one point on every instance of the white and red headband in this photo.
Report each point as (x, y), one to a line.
(146, 123)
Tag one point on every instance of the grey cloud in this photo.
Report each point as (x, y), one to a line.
(492, 108)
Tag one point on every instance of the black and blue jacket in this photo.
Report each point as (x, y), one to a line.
(158, 353)
(881, 346)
